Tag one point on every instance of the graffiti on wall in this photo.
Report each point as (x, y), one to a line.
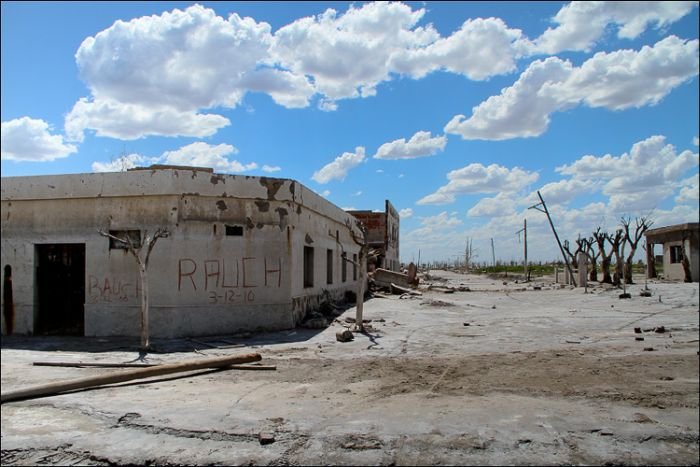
(221, 281)
(229, 280)
(111, 290)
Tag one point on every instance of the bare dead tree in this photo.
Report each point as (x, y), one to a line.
(360, 240)
(572, 256)
(587, 246)
(685, 262)
(142, 253)
(605, 258)
(642, 224)
(469, 254)
(616, 241)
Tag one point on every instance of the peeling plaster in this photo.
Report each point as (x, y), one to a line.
(263, 206)
(273, 185)
(221, 205)
(283, 213)
(215, 179)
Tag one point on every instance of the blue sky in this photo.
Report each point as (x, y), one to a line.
(458, 113)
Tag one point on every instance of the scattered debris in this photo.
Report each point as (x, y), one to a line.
(637, 330)
(344, 336)
(383, 278)
(660, 330)
(639, 338)
(465, 324)
(436, 303)
(649, 349)
(625, 295)
(139, 373)
(645, 293)
(398, 290)
(350, 319)
(667, 378)
(266, 438)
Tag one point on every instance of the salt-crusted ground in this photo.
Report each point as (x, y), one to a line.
(501, 374)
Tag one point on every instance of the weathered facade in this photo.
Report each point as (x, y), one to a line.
(382, 235)
(681, 251)
(243, 253)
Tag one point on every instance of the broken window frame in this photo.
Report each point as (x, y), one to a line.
(676, 254)
(133, 234)
(233, 230)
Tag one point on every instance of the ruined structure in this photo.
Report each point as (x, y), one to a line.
(244, 253)
(681, 251)
(382, 235)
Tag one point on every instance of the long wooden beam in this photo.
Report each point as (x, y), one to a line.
(82, 383)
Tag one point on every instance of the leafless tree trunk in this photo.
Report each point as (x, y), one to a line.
(642, 224)
(469, 254)
(587, 246)
(685, 262)
(364, 250)
(615, 243)
(142, 254)
(600, 238)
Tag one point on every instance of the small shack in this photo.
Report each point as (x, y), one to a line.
(681, 251)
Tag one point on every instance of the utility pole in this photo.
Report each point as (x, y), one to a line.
(524, 230)
(493, 253)
(551, 224)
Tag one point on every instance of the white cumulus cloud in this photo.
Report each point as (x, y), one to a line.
(639, 179)
(339, 168)
(480, 49)
(477, 178)
(206, 155)
(406, 213)
(349, 54)
(690, 191)
(30, 139)
(152, 75)
(123, 163)
(615, 80)
(271, 168)
(421, 144)
(581, 24)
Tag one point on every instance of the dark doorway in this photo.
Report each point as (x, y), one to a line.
(60, 289)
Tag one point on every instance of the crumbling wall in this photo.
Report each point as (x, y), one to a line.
(231, 262)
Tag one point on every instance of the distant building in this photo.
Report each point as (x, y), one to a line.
(681, 251)
(244, 253)
(382, 235)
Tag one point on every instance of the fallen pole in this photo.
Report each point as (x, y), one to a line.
(82, 383)
(140, 365)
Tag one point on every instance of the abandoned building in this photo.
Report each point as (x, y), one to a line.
(382, 236)
(681, 251)
(243, 253)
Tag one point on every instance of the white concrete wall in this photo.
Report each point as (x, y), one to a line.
(675, 271)
(201, 280)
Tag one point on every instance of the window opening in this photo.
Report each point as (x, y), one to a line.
(308, 266)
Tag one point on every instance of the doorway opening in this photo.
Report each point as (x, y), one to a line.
(60, 279)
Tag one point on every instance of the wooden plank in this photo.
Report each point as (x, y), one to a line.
(128, 375)
(140, 365)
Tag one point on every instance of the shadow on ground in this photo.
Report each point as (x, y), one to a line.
(308, 329)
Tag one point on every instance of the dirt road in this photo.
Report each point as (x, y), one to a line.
(503, 374)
